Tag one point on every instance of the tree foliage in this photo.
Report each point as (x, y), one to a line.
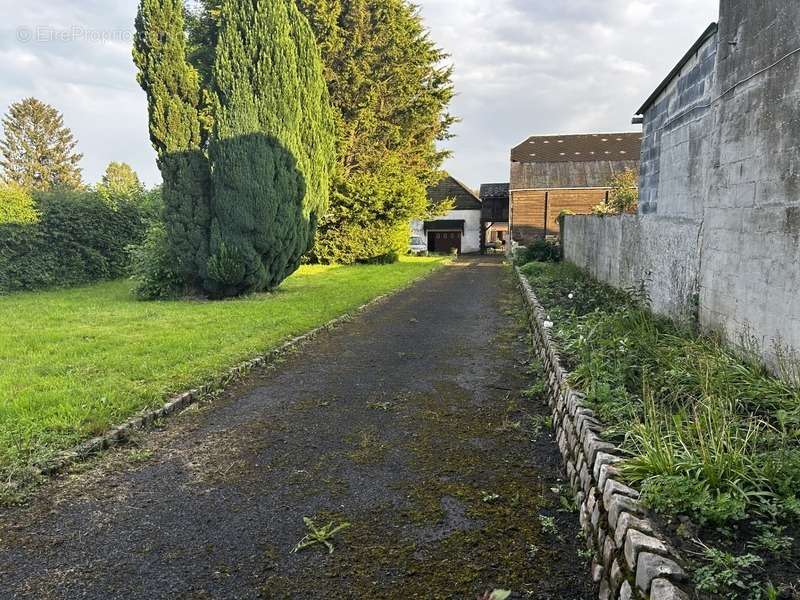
(177, 131)
(623, 196)
(16, 205)
(75, 238)
(272, 147)
(119, 181)
(38, 151)
(390, 96)
(240, 117)
(390, 93)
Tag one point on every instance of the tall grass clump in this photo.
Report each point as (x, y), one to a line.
(707, 432)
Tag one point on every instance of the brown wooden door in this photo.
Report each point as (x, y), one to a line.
(444, 241)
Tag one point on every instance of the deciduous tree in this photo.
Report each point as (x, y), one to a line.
(119, 182)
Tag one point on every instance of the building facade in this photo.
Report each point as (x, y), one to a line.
(550, 174)
(460, 229)
(495, 215)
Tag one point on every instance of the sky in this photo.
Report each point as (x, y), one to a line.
(522, 68)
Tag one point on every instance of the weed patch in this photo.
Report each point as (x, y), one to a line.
(712, 438)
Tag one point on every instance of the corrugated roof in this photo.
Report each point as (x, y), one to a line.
(561, 175)
(494, 190)
(450, 187)
(578, 148)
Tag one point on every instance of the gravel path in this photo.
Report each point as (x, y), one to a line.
(415, 422)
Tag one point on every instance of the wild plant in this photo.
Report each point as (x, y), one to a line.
(319, 535)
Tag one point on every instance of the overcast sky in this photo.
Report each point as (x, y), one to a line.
(522, 67)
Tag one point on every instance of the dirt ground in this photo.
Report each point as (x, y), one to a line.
(420, 423)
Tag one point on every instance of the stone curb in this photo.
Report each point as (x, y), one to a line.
(632, 561)
(176, 404)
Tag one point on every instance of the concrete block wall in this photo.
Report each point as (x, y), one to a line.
(659, 255)
(717, 241)
(750, 280)
(632, 560)
(676, 133)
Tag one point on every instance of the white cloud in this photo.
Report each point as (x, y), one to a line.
(521, 67)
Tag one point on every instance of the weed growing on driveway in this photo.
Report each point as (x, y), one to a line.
(319, 535)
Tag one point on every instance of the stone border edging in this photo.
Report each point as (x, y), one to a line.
(632, 560)
(176, 404)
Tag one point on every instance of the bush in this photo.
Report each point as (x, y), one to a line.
(358, 242)
(539, 251)
(624, 195)
(389, 258)
(77, 239)
(16, 205)
(153, 268)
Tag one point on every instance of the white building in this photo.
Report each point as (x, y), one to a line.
(460, 228)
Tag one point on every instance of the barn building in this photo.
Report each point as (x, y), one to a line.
(553, 173)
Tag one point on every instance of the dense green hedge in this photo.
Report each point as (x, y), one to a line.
(77, 239)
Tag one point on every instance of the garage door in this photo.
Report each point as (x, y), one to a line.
(444, 241)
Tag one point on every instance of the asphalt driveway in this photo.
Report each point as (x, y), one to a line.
(419, 423)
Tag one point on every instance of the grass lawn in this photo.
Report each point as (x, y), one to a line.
(75, 362)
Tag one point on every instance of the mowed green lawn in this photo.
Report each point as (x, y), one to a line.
(75, 362)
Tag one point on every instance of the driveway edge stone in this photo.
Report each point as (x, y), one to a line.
(176, 404)
(633, 561)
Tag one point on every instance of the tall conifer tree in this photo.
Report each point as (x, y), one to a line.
(391, 93)
(272, 145)
(37, 151)
(177, 132)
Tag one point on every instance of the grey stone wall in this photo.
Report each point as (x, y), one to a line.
(718, 236)
(750, 278)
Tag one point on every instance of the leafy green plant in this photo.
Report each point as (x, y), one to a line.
(548, 524)
(585, 554)
(319, 535)
(726, 574)
(539, 250)
(16, 205)
(153, 267)
(708, 432)
(567, 503)
(710, 452)
(388, 258)
(623, 196)
(77, 238)
(537, 424)
(771, 538)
